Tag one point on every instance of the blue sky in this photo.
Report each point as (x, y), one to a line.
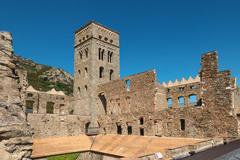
(167, 35)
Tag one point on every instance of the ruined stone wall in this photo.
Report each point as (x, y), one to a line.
(46, 125)
(160, 98)
(9, 88)
(133, 94)
(15, 133)
(181, 95)
(237, 101)
(40, 100)
(213, 118)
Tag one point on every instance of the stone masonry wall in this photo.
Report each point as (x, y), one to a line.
(15, 132)
(213, 118)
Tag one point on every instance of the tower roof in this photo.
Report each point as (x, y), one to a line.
(96, 23)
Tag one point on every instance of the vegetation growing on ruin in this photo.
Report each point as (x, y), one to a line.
(72, 156)
(39, 80)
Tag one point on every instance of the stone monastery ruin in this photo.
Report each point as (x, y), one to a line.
(207, 105)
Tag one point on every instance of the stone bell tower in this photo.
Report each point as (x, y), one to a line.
(96, 61)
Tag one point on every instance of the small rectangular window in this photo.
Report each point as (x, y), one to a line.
(128, 84)
(141, 131)
(29, 106)
(129, 130)
(50, 107)
(119, 129)
(182, 123)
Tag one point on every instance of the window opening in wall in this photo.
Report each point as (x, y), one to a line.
(86, 127)
(80, 55)
(102, 54)
(30, 95)
(101, 70)
(29, 106)
(141, 131)
(71, 111)
(50, 107)
(79, 72)
(100, 37)
(181, 89)
(111, 41)
(86, 71)
(105, 38)
(193, 87)
(61, 108)
(141, 120)
(129, 128)
(128, 84)
(99, 53)
(182, 123)
(103, 101)
(86, 88)
(110, 56)
(119, 128)
(181, 101)
(110, 74)
(79, 90)
(193, 99)
(86, 52)
(170, 102)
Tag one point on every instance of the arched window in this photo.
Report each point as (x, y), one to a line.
(80, 55)
(181, 101)
(86, 88)
(79, 72)
(79, 90)
(110, 56)
(193, 99)
(101, 70)
(86, 52)
(86, 71)
(99, 53)
(141, 120)
(110, 74)
(170, 102)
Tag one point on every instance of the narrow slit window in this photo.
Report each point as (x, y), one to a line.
(128, 84)
(182, 124)
(110, 74)
(101, 70)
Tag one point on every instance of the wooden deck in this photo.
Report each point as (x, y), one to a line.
(118, 145)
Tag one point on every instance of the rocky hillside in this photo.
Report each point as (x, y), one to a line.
(44, 78)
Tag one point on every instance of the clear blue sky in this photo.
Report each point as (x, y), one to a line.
(168, 35)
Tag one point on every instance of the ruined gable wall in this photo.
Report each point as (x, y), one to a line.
(40, 99)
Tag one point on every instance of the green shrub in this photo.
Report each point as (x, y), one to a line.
(72, 156)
